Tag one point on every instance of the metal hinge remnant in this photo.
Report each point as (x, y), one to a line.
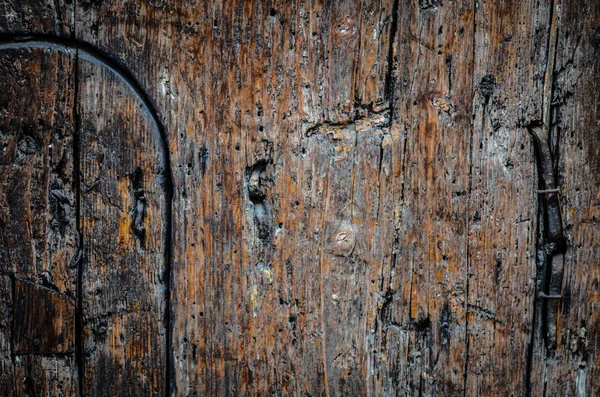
(554, 240)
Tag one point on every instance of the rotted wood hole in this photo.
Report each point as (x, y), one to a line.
(308, 198)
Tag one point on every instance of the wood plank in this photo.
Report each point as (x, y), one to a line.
(7, 365)
(345, 189)
(421, 324)
(238, 84)
(316, 250)
(571, 369)
(384, 335)
(44, 322)
(49, 376)
(511, 50)
(38, 231)
(125, 223)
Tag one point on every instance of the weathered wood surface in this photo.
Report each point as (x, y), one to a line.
(424, 288)
(573, 113)
(38, 220)
(124, 227)
(354, 206)
(511, 54)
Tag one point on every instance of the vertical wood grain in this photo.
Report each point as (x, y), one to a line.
(238, 85)
(124, 228)
(572, 368)
(511, 56)
(422, 320)
(38, 231)
(355, 207)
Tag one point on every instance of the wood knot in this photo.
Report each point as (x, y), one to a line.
(343, 242)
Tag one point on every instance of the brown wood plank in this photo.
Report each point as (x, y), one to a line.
(345, 189)
(38, 232)
(509, 77)
(44, 322)
(7, 365)
(239, 84)
(124, 226)
(319, 248)
(421, 324)
(572, 369)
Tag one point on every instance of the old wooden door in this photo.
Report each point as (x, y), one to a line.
(297, 198)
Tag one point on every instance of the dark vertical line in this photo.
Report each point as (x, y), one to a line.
(389, 80)
(169, 190)
(168, 252)
(469, 195)
(389, 95)
(78, 180)
(356, 66)
(554, 133)
(168, 260)
(79, 354)
(547, 102)
(540, 276)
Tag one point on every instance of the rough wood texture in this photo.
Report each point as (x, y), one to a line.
(573, 368)
(123, 215)
(37, 222)
(37, 16)
(44, 322)
(354, 206)
(508, 84)
(50, 376)
(422, 322)
(7, 365)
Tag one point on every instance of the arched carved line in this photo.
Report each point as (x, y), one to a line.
(94, 55)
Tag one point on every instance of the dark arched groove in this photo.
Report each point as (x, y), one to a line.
(94, 55)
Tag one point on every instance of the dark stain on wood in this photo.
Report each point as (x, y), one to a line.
(44, 321)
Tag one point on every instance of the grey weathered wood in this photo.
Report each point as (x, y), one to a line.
(54, 17)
